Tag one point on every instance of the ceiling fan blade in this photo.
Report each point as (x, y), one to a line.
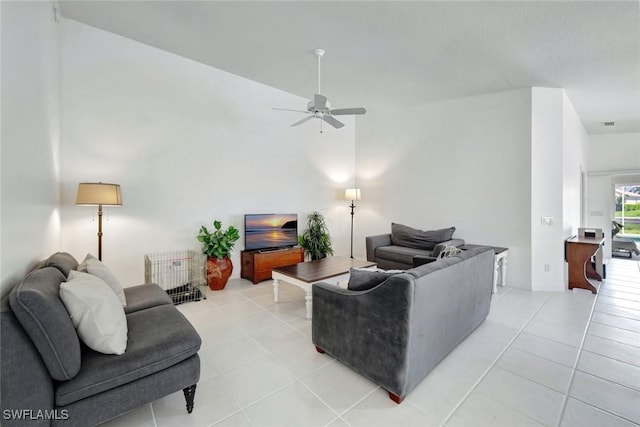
(286, 109)
(319, 101)
(306, 119)
(332, 121)
(343, 111)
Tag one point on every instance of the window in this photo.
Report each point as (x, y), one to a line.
(628, 209)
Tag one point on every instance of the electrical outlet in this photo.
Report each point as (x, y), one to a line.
(547, 268)
(546, 220)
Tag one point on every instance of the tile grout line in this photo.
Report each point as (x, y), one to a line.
(339, 416)
(484, 374)
(565, 400)
(275, 358)
(153, 415)
(596, 376)
(229, 317)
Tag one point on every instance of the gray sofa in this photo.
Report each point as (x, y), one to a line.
(397, 331)
(397, 250)
(50, 378)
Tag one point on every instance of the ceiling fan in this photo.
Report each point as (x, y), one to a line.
(320, 108)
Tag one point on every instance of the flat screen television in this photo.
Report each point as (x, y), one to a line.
(270, 231)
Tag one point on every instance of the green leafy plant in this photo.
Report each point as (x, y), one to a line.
(316, 240)
(218, 243)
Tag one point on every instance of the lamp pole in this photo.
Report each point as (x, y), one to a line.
(99, 232)
(352, 194)
(352, 206)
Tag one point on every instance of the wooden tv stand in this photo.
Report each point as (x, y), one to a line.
(257, 265)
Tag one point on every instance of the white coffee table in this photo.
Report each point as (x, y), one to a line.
(305, 274)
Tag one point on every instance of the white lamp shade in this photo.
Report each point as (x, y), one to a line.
(352, 194)
(98, 193)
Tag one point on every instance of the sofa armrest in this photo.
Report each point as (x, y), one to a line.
(26, 384)
(343, 321)
(145, 296)
(372, 242)
(440, 246)
(419, 260)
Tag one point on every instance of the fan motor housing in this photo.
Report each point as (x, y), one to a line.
(311, 106)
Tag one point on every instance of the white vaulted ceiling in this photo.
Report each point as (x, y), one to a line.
(403, 52)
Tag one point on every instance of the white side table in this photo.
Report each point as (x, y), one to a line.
(499, 264)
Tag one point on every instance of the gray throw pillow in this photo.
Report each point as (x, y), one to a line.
(63, 261)
(402, 235)
(364, 279)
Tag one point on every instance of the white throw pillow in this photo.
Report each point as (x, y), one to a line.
(93, 266)
(96, 312)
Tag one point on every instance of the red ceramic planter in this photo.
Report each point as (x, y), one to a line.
(218, 272)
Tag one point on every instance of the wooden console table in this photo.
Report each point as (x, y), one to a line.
(257, 265)
(578, 253)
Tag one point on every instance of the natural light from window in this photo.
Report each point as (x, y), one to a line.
(627, 210)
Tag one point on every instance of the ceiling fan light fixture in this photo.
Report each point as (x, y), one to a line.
(320, 108)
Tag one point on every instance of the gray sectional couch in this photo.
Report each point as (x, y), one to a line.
(396, 331)
(49, 377)
(397, 250)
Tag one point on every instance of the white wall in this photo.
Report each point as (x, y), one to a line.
(188, 144)
(491, 165)
(547, 251)
(574, 166)
(463, 162)
(30, 166)
(558, 143)
(181, 139)
(614, 152)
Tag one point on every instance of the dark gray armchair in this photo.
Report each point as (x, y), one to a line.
(49, 377)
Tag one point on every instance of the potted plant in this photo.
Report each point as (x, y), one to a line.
(316, 240)
(217, 245)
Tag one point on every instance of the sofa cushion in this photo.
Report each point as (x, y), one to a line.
(400, 254)
(63, 261)
(95, 312)
(93, 266)
(402, 235)
(145, 296)
(36, 304)
(361, 279)
(159, 337)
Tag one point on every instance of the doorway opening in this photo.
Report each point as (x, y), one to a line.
(626, 222)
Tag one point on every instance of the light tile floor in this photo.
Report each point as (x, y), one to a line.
(553, 359)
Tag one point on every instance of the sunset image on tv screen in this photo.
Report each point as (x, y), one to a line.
(264, 231)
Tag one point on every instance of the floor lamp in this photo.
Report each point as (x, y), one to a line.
(352, 194)
(99, 194)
